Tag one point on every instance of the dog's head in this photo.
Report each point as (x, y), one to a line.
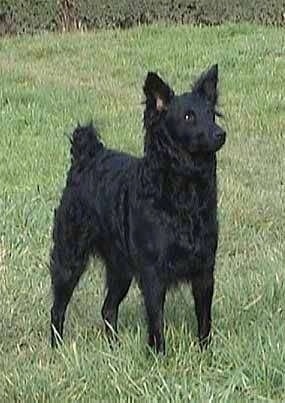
(190, 118)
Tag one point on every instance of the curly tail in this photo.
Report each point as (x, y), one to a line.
(85, 144)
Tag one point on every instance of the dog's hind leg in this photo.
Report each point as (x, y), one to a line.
(64, 281)
(203, 289)
(118, 281)
(69, 258)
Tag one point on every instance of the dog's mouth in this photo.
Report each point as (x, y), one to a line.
(202, 144)
(207, 148)
(219, 143)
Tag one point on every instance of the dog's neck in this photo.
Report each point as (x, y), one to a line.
(172, 161)
(178, 179)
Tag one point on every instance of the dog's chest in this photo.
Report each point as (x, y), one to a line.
(196, 226)
(177, 233)
(193, 237)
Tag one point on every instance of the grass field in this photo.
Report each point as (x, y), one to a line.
(47, 84)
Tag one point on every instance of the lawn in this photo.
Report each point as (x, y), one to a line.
(50, 82)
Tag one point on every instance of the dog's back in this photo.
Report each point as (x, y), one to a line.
(98, 183)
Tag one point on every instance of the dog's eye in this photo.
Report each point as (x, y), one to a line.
(189, 117)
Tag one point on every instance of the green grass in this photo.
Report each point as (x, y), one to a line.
(47, 84)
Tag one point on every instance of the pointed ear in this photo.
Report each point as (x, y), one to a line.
(207, 84)
(157, 92)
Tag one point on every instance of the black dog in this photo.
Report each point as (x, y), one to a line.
(153, 218)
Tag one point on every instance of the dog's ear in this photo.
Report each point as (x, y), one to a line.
(207, 84)
(157, 92)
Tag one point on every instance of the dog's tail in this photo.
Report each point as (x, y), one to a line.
(85, 144)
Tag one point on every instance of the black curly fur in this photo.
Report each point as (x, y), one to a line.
(153, 218)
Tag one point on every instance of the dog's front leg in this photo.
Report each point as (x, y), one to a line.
(203, 289)
(154, 291)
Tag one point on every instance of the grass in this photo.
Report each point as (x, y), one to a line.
(48, 83)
